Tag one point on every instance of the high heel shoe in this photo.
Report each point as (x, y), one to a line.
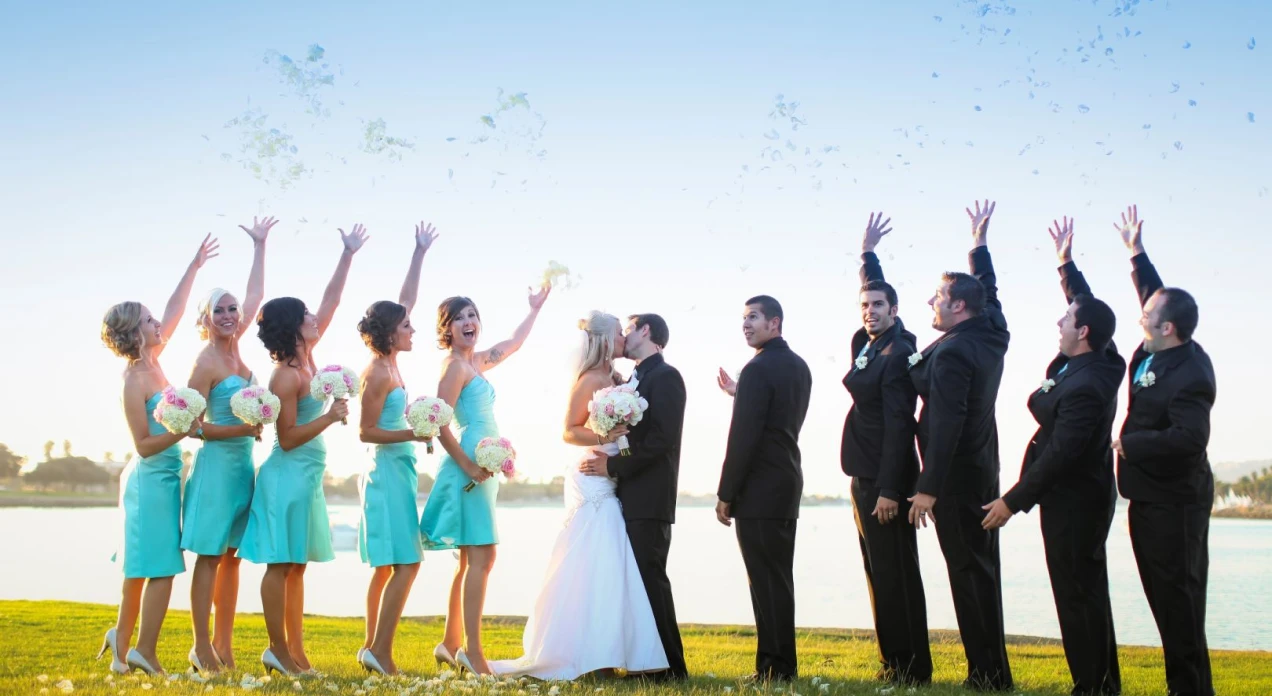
(136, 661)
(195, 664)
(359, 657)
(269, 662)
(108, 643)
(461, 658)
(370, 664)
(444, 656)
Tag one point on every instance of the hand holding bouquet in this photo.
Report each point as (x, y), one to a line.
(335, 382)
(427, 416)
(255, 406)
(178, 409)
(496, 455)
(614, 406)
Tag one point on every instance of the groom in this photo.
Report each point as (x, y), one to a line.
(647, 477)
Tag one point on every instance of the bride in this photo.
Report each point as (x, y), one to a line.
(592, 613)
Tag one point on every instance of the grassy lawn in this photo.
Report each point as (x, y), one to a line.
(44, 643)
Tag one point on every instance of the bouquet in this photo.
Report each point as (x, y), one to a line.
(179, 408)
(427, 416)
(336, 382)
(495, 454)
(552, 273)
(614, 406)
(255, 406)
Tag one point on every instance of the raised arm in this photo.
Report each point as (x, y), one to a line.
(750, 409)
(1072, 282)
(489, 358)
(978, 261)
(181, 296)
(876, 228)
(144, 443)
(331, 298)
(256, 278)
(1143, 273)
(425, 235)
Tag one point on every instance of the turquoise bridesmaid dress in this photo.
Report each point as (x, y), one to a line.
(150, 497)
(219, 492)
(454, 517)
(389, 533)
(288, 520)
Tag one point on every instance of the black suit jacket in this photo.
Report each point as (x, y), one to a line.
(878, 440)
(761, 478)
(958, 378)
(1068, 462)
(648, 477)
(1167, 426)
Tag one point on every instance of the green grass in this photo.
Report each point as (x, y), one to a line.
(57, 640)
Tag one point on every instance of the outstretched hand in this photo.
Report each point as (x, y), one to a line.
(980, 220)
(1131, 229)
(354, 240)
(538, 298)
(208, 249)
(876, 228)
(726, 383)
(1062, 235)
(259, 229)
(425, 235)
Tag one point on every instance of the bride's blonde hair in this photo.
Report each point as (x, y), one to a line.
(599, 330)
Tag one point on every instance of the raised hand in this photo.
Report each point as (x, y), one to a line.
(355, 239)
(259, 229)
(726, 383)
(425, 235)
(208, 249)
(1062, 235)
(980, 220)
(538, 298)
(1131, 229)
(875, 230)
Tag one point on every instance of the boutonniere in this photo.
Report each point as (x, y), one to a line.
(915, 358)
(861, 362)
(1047, 384)
(1148, 380)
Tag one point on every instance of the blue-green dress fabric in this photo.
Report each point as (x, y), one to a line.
(150, 498)
(453, 517)
(219, 492)
(389, 532)
(288, 520)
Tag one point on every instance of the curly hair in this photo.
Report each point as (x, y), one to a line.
(379, 324)
(447, 311)
(278, 326)
(121, 330)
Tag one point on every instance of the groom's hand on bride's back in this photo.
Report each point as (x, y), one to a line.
(598, 465)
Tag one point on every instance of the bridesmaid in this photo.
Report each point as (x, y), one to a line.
(219, 491)
(454, 518)
(149, 487)
(287, 525)
(389, 535)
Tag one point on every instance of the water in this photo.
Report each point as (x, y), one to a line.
(65, 554)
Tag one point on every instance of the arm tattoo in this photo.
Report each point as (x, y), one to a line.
(494, 356)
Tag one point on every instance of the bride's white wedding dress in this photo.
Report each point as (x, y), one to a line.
(592, 612)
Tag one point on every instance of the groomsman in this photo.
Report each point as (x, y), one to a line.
(1163, 470)
(878, 453)
(1068, 474)
(761, 482)
(958, 377)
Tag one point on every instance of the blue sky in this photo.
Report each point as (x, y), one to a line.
(649, 115)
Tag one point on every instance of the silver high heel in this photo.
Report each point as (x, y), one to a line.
(444, 656)
(370, 664)
(269, 662)
(108, 643)
(136, 661)
(461, 657)
(195, 664)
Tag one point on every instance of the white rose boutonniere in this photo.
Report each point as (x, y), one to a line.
(861, 362)
(915, 358)
(1148, 380)
(1047, 384)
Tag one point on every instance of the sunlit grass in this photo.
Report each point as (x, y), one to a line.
(45, 643)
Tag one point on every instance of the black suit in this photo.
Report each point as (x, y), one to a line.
(647, 488)
(878, 452)
(762, 482)
(958, 377)
(1166, 476)
(1068, 473)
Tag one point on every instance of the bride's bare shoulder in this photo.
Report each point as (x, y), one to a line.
(593, 380)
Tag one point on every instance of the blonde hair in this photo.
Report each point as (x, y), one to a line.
(207, 306)
(121, 330)
(598, 341)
